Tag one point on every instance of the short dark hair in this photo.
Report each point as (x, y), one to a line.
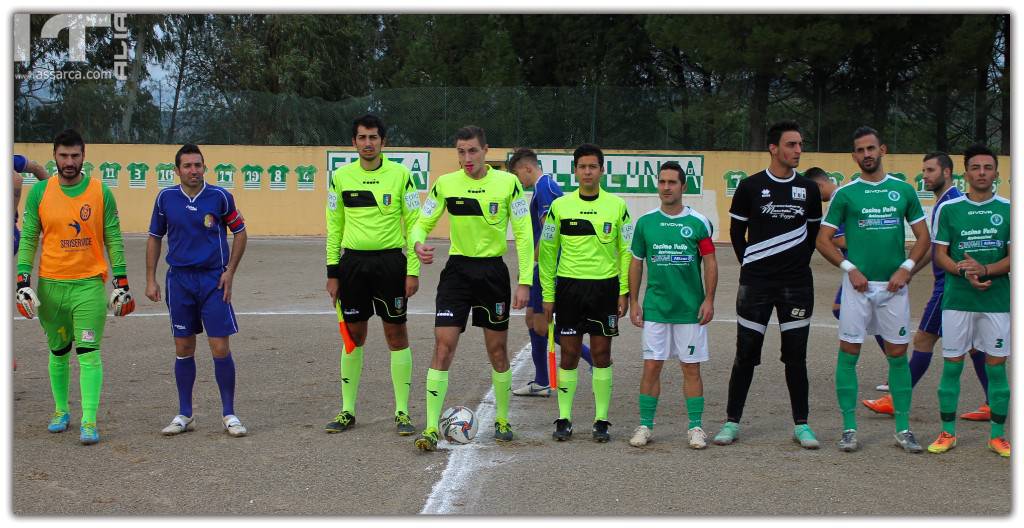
(776, 130)
(978, 149)
(816, 173)
(866, 131)
(588, 149)
(523, 154)
(68, 138)
(945, 162)
(674, 166)
(469, 132)
(187, 148)
(369, 121)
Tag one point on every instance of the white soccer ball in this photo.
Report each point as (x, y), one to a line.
(458, 424)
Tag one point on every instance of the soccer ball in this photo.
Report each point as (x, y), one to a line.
(458, 424)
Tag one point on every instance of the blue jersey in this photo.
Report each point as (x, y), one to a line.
(544, 192)
(939, 273)
(196, 228)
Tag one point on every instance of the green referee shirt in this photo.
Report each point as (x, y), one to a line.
(981, 229)
(593, 235)
(366, 210)
(479, 212)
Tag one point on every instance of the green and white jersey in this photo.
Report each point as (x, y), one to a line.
(872, 214)
(366, 210)
(479, 212)
(593, 235)
(671, 246)
(981, 230)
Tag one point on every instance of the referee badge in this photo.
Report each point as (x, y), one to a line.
(493, 208)
(398, 303)
(607, 228)
(387, 199)
(612, 319)
(499, 309)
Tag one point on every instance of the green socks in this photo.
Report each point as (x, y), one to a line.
(351, 366)
(602, 383)
(846, 388)
(502, 382)
(695, 409)
(90, 376)
(648, 405)
(437, 386)
(949, 394)
(901, 390)
(998, 397)
(59, 380)
(401, 378)
(567, 380)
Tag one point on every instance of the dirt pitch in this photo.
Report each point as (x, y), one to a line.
(287, 358)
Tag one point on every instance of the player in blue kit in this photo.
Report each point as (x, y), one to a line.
(195, 216)
(23, 164)
(525, 165)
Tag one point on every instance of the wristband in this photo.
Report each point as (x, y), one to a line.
(908, 264)
(24, 281)
(847, 266)
(333, 271)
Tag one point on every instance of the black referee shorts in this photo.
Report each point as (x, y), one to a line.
(477, 284)
(372, 282)
(587, 306)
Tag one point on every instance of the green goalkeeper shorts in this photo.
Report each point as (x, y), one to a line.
(72, 310)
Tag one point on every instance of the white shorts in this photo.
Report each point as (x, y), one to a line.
(688, 342)
(987, 332)
(877, 311)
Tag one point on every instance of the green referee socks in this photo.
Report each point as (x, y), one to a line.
(567, 380)
(90, 377)
(437, 386)
(602, 381)
(401, 378)
(901, 390)
(846, 388)
(59, 380)
(998, 397)
(351, 366)
(695, 411)
(648, 406)
(502, 382)
(949, 394)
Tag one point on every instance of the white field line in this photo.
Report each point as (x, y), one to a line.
(464, 460)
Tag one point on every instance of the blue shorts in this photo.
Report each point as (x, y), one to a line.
(195, 302)
(839, 295)
(931, 319)
(536, 296)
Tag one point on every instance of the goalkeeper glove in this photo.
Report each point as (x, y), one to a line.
(26, 298)
(121, 301)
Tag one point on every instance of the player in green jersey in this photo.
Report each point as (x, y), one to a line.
(481, 202)
(876, 297)
(592, 229)
(371, 207)
(675, 242)
(70, 219)
(972, 244)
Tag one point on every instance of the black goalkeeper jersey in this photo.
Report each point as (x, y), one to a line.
(774, 224)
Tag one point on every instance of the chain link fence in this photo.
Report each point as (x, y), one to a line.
(538, 117)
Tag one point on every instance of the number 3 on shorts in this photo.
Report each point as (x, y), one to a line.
(999, 343)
